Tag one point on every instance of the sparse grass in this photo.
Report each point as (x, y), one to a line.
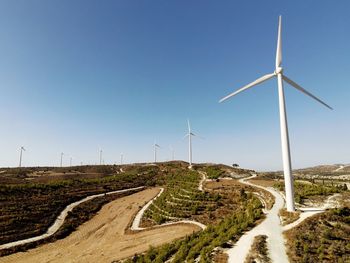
(214, 172)
(303, 190)
(219, 256)
(288, 217)
(258, 252)
(322, 238)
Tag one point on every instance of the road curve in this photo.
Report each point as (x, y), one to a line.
(60, 219)
(137, 220)
(106, 237)
(271, 226)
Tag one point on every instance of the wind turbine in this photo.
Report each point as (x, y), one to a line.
(121, 158)
(189, 135)
(61, 157)
(20, 156)
(287, 167)
(155, 151)
(70, 161)
(100, 157)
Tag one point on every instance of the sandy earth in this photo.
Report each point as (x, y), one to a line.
(103, 238)
(61, 218)
(204, 178)
(137, 220)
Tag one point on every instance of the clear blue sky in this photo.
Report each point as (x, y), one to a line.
(76, 76)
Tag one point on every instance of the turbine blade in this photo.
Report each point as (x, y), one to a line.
(298, 87)
(189, 126)
(256, 82)
(279, 44)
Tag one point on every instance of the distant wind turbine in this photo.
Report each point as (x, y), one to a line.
(100, 157)
(155, 151)
(20, 156)
(70, 161)
(189, 135)
(287, 167)
(121, 158)
(61, 157)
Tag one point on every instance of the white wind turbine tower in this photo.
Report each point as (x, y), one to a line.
(100, 157)
(288, 177)
(189, 135)
(121, 158)
(61, 158)
(155, 151)
(20, 156)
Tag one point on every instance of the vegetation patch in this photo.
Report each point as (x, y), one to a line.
(288, 217)
(322, 238)
(305, 190)
(215, 171)
(259, 251)
(181, 199)
(198, 247)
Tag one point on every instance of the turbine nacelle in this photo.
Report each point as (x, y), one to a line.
(279, 70)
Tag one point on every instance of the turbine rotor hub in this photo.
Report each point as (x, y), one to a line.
(279, 70)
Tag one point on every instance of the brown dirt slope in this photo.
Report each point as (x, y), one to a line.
(103, 238)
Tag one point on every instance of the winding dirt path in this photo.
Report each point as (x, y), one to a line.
(60, 219)
(137, 220)
(106, 237)
(271, 227)
(204, 178)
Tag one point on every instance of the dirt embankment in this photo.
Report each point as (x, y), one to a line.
(103, 238)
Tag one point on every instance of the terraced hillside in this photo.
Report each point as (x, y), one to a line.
(32, 201)
(227, 207)
(205, 246)
(181, 199)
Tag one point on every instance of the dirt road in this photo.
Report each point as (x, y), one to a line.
(103, 238)
(270, 226)
(61, 218)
